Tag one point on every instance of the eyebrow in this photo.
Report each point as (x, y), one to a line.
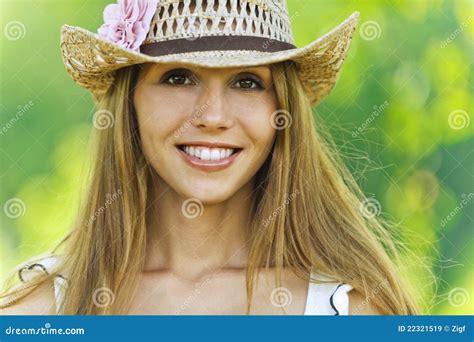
(257, 69)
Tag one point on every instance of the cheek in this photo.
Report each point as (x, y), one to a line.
(255, 117)
(159, 116)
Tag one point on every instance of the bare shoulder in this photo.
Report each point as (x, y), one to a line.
(360, 305)
(40, 301)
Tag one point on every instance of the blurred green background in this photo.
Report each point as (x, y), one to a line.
(401, 113)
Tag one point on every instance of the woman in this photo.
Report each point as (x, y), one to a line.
(212, 190)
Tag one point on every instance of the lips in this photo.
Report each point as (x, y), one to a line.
(209, 144)
(209, 156)
(206, 153)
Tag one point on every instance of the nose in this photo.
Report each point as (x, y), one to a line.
(213, 112)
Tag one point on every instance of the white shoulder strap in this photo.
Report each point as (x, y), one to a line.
(327, 298)
(60, 285)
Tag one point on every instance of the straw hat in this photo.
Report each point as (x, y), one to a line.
(207, 33)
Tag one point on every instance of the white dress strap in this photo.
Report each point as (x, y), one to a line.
(46, 265)
(327, 298)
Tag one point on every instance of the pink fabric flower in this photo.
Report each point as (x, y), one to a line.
(127, 23)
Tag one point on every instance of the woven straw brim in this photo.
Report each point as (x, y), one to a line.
(92, 61)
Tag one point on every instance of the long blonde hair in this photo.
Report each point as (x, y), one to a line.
(306, 213)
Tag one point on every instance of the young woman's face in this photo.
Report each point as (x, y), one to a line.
(205, 131)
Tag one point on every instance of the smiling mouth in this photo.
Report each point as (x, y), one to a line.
(207, 153)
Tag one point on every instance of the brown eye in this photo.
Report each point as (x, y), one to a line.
(177, 77)
(248, 83)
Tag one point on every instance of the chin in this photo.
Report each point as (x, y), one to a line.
(209, 194)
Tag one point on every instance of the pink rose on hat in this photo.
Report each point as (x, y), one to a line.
(127, 23)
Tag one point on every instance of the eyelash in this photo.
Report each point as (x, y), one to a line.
(167, 77)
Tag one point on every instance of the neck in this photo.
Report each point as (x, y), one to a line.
(191, 247)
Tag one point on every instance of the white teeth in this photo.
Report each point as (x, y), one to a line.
(205, 153)
(215, 154)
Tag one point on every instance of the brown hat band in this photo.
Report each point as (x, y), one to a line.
(214, 43)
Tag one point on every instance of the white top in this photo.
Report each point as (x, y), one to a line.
(329, 298)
